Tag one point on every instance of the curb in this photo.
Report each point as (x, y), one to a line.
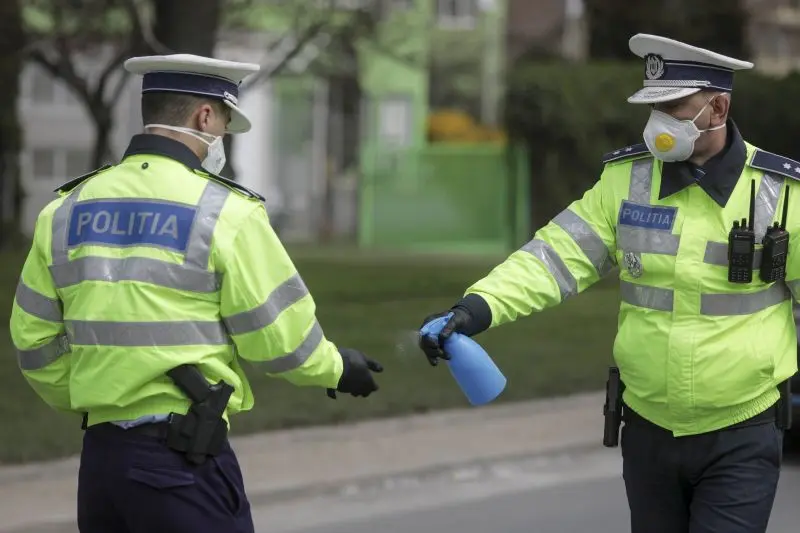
(348, 459)
(421, 475)
(268, 498)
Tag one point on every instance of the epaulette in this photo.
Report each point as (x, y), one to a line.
(71, 184)
(769, 162)
(238, 187)
(625, 153)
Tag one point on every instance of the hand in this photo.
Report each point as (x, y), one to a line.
(357, 379)
(432, 341)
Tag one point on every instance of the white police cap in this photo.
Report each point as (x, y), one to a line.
(675, 70)
(197, 75)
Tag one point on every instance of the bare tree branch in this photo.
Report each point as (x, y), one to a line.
(143, 30)
(113, 64)
(122, 81)
(62, 68)
(270, 69)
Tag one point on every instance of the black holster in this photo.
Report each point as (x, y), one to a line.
(784, 414)
(202, 431)
(612, 409)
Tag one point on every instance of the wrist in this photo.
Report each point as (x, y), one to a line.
(479, 312)
(345, 367)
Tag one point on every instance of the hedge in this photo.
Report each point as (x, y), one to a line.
(570, 115)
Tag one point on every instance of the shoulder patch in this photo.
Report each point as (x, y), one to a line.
(71, 184)
(238, 187)
(778, 164)
(624, 153)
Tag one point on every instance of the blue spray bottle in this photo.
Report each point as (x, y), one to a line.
(475, 372)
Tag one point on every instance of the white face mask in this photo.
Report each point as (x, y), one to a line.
(215, 158)
(670, 139)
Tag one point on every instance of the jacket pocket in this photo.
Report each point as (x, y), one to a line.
(160, 478)
(226, 469)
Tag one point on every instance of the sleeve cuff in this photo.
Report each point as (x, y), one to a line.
(479, 311)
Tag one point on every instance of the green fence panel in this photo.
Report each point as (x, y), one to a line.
(445, 198)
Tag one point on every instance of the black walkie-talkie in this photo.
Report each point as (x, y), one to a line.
(742, 245)
(776, 248)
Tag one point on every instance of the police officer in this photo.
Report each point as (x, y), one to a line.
(702, 358)
(147, 285)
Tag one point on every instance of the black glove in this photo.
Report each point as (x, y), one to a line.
(356, 377)
(460, 322)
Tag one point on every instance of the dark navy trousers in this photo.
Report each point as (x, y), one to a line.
(133, 483)
(719, 482)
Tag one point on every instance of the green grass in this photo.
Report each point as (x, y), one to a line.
(373, 302)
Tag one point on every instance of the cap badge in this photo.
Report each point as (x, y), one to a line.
(633, 264)
(654, 66)
(229, 97)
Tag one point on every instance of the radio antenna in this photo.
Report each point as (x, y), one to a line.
(785, 208)
(752, 203)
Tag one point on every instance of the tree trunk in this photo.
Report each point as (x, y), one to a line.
(104, 124)
(190, 27)
(343, 136)
(11, 42)
(719, 26)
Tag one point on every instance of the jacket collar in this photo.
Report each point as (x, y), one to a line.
(150, 144)
(718, 177)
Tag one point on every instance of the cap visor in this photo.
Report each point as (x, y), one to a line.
(655, 95)
(239, 122)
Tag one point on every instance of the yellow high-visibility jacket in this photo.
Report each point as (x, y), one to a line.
(153, 263)
(695, 351)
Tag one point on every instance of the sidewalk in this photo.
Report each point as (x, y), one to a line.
(294, 463)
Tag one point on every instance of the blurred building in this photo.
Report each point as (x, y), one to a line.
(559, 27)
(312, 140)
(774, 34)
(556, 27)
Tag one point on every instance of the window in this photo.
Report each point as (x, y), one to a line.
(384, 9)
(398, 5)
(574, 9)
(58, 164)
(343, 4)
(43, 164)
(42, 89)
(456, 13)
(395, 121)
(42, 86)
(76, 163)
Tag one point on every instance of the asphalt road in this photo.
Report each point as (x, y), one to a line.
(577, 493)
(571, 492)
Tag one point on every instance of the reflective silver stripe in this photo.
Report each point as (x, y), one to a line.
(142, 269)
(295, 359)
(554, 264)
(191, 276)
(743, 303)
(717, 254)
(794, 287)
(38, 358)
(286, 294)
(188, 333)
(648, 297)
(766, 204)
(641, 184)
(589, 242)
(208, 211)
(37, 304)
(60, 225)
(641, 181)
(644, 240)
